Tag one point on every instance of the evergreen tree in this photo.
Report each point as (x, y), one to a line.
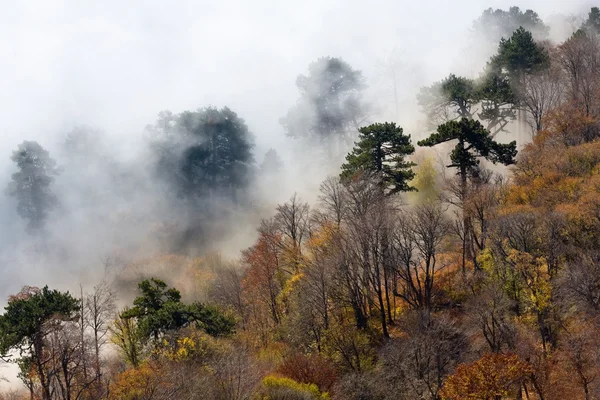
(159, 310)
(497, 24)
(271, 163)
(518, 55)
(451, 98)
(31, 184)
(204, 152)
(497, 100)
(474, 141)
(382, 149)
(329, 104)
(593, 21)
(25, 324)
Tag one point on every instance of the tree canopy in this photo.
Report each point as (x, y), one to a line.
(519, 54)
(32, 184)
(204, 152)
(382, 149)
(159, 310)
(497, 24)
(330, 104)
(473, 141)
(29, 317)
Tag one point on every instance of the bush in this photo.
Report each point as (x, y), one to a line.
(278, 388)
(310, 369)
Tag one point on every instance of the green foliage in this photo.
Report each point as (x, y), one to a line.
(31, 185)
(329, 103)
(28, 318)
(451, 98)
(25, 315)
(497, 24)
(382, 149)
(202, 152)
(519, 54)
(159, 309)
(593, 21)
(473, 141)
(210, 319)
(276, 388)
(497, 100)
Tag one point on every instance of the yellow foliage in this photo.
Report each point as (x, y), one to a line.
(137, 383)
(195, 345)
(273, 388)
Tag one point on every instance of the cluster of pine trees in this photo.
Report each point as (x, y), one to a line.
(406, 280)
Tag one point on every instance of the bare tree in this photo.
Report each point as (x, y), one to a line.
(293, 222)
(333, 198)
(366, 232)
(100, 309)
(580, 58)
(418, 238)
(227, 291)
(489, 312)
(415, 365)
(541, 92)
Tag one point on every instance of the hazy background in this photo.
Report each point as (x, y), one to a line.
(113, 65)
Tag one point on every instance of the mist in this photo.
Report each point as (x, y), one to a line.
(113, 67)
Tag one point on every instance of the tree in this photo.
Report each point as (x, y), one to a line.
(579, 59)
(381, 149)
(416, 363)
(426, 181)
(292, 221)
(366, 244)
(159, 310)
(449, 99)
(541, 92)
(497, 99)
(264, 276)
(518, 55)
(100, 308)
(497, 24)
(473, 141)
(417, 241)
(490, 97)
(593, 22)
(32, 184)
(127, 337)
(204, 152)
(272, 163)
(285, 388)
(329, 106)
(493, 376)
(29, 318)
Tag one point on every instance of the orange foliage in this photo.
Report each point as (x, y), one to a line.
(312, 368)
(492, 376)
(138, 383)
(263, 282)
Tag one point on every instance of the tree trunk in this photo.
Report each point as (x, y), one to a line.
(38, 350)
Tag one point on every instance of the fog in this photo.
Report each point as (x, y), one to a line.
(113, 66)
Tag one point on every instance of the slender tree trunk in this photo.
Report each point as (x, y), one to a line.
(38, 349)
(465, 221)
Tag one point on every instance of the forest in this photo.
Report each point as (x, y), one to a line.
(463, 265)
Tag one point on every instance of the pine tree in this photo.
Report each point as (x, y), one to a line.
(382, 149)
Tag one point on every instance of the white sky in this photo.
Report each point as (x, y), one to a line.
(116, 64)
